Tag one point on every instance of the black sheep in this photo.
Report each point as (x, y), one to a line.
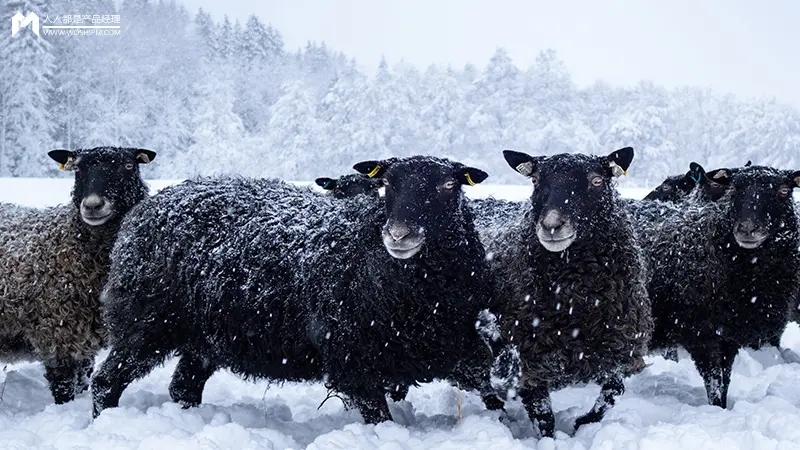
(274, 281)
(491, 217)
(571, 283)
(710, 190)
(723, 273)
(678, 187)
(54, 263)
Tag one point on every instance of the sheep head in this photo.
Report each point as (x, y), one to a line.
(347, 186)
(423, 200)
(107, 180)
(570, 191)
(759, 203)
(677, 187)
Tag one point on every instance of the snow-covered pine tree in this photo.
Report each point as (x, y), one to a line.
(340, 116)
(443, 114)
(293, 134)
(206, 31)
(216, 131)
(493, 97)
(26, 127)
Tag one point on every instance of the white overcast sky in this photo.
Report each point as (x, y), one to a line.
(746, 47)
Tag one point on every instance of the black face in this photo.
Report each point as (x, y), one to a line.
(672, 189)
(675, 188)
(761, 204)
(569, 192)
(347, 186)
(107, 180)
(423, 199)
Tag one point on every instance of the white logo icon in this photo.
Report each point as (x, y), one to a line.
(19, 21)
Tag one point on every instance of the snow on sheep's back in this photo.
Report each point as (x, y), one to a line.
(43, 192)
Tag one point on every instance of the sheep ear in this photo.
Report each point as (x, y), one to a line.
(748, 163)
(521, 162)
(144, 156)
(326, 183)
(470, 175)
(619, 161)
(719, 176)
(64, 158)
(696, 172)
(796, 179)
(372, 169)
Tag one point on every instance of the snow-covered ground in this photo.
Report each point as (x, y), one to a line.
(664, 407)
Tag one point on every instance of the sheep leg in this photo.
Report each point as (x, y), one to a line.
(85, 369)
(612, 388)
(482, 384)
(189, 380)
(540, 410)
(62, 377)
(399, 393)
(121, 368)
(374, 408)
(715, 366)
(474, 373)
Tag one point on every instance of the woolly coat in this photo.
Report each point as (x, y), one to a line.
(54, 267)
(274, 281)
(706, 290)
(493, 216)
(575, 316)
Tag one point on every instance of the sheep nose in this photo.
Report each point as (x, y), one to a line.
(398, 232)
(93, 203)
(553, 220)
(746, 227)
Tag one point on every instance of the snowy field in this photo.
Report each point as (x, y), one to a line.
(664, 407)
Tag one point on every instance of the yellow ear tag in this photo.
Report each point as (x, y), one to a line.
(469, 179)
(374, 171)
(616, 169)
(60, 167)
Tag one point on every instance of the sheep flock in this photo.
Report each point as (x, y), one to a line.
(392, 276)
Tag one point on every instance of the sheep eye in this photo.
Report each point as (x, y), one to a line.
(385, 182)
(597, 181)
(449, 184)
(535, 179)
(667, 188)
(129, 166)
(784, 191)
